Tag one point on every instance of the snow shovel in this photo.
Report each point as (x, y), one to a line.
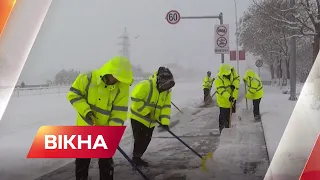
(207, 101)
(132, 164)
(245, 92)
(230, 116)
(203, 158)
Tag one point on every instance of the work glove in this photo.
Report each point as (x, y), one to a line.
(231, 99)
(92, 120)
(166, 127)
(232, 87)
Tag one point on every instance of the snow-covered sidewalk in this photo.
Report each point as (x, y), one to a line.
(241, 153)
(276, 110)
(299, 136)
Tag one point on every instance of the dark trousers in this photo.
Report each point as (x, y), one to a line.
(105, 168)
(206, 93)
(224, 118)
(142, 136)
(256, 107)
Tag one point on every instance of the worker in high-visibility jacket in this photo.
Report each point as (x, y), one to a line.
(207, 85)
(101, 98)
(150, 105)
(156, 73)
(227, 85)
(254, 91)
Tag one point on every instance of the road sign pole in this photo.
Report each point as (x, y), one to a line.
(259, 64)
(221, 22)
(237, 36)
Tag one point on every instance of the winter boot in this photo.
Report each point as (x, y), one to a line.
(220, 129)
(139, 162)
(257, 118)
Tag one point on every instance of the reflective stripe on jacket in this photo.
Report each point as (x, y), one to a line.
(148, 105)
(254, 85)
(223, 85)
(109, 103)
(207, 82)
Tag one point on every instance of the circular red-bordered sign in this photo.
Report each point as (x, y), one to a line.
(173, 17)
(222, 42)
(221, 31)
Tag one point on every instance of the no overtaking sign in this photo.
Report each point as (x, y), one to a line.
(221, 39)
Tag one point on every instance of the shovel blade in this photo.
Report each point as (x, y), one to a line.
(204, 161)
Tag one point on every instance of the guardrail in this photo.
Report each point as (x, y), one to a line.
(18, 92)
(31, 91)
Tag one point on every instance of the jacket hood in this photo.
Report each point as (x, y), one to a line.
(120, 68)
(225, 69)
(250, 73)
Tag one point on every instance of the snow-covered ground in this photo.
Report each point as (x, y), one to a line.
(298, 137)
(25, 114)
(276, 110)
(240, 154)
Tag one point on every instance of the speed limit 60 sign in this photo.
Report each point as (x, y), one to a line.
(173, 17)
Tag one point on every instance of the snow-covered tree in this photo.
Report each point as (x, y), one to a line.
(66, 77)
(265, 37)
(306, 14)
(264, 34)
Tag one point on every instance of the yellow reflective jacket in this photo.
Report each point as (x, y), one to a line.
(223, 85)
(109, 103)
(207, 82)
(254, 85)
(148, 105)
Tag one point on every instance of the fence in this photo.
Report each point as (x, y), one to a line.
(30, 91)
(18, 92)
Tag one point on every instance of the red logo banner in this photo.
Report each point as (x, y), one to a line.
(312, 168)
(76, 142)
(6, 7)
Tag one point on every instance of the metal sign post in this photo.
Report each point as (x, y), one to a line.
(173, 17)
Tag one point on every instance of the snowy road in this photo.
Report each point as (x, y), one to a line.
(25, 114)
(168, 157)
(199, 128)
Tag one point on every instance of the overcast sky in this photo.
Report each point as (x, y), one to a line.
(83, 34)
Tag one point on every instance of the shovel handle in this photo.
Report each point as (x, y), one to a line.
(245, 91)
(176, 107)
(195, 152)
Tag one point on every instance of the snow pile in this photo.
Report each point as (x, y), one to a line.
(287, 89)
(241, 153)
